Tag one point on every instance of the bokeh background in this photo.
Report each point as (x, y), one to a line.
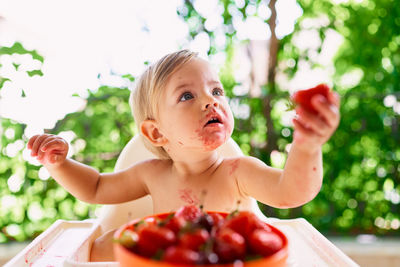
(67, 68)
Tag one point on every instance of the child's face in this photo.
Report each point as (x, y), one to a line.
(194, 112)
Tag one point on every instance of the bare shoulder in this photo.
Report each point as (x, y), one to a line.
(155, 165)
(243, 162)
(156, 162)
(246, 168)
(147, 168)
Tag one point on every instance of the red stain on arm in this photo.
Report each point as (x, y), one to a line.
(314, 169)
(234, 165)
(187, 196)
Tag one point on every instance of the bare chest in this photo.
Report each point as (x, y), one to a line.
(216, 192)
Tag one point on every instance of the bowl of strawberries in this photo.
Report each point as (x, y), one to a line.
(193, 237)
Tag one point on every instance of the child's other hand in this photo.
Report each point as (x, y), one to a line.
(313, 130)
(49, 149)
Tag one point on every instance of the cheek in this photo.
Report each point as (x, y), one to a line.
(230, 122)
(181, 127)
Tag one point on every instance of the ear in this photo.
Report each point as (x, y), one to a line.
(149, 129)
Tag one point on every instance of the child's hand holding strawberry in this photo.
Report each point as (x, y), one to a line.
(49, 149)
(317, 117)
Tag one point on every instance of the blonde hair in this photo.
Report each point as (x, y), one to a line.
(145, 98)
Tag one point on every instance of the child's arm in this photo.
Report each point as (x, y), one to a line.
(301, 179)
(82, 181)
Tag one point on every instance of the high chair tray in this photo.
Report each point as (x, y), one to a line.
(308, 247)
(67, 244)
(62, 243)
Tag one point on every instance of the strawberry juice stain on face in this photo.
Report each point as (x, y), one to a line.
(188, 197)
(214, 135)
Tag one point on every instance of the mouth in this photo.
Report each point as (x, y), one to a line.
(213, 120)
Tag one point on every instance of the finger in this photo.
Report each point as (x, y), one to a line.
(312, 122)
(54, 144)
(328, 111)
(41, 153)
(42, 149)
(31, 141)
(334, 98)
(37, 143)
(47, 142)
(300, 130)
(50, 146)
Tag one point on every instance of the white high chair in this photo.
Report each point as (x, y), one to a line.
(113, 216)
(68, 243)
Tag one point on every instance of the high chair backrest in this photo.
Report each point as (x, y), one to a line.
(113, 216)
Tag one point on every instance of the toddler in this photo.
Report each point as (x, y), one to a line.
(183, 116)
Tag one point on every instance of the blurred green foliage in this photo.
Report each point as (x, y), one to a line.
(361, 189)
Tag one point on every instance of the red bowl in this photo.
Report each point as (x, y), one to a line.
(127, 258)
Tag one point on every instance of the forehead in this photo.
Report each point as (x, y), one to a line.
(195, 71)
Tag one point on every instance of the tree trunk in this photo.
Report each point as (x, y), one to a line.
(272, 136)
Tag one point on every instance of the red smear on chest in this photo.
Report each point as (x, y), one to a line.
(188, 197)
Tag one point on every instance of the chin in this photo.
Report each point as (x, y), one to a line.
(211, 148)
(213, 143)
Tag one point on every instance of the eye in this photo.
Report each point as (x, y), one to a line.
(185, 96)
(218, 91)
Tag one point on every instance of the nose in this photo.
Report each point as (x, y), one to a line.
(210, 102)
(215, 104)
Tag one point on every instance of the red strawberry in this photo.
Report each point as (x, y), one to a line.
(303, 97)
(180, 255)
(191, 236)
(245, 222)
(153, 238)
(175, 223)
(194, 240)
(189, 213)
(264, 242)
(229, 245)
